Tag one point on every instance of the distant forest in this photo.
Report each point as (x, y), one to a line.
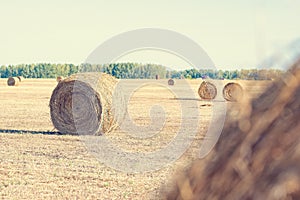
(133, 71)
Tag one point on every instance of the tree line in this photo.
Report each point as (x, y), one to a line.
(133, 71)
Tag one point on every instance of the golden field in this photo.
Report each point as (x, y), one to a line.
(38, 163)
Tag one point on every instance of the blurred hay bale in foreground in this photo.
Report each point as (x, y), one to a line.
(258, 153)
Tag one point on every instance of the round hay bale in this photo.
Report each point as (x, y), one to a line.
(83, 104)
(171, 82)
(207, 90)
(21, 78)
(232, 92)
(12, 81)
(59, 78)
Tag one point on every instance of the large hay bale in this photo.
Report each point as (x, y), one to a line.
(232, 92)
(21, 78)
(207, 90)
(12, 81)
(258, 153)
(171, 82)
(84, 103)
(59, 78)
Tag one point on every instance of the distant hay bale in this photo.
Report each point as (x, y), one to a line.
(207, 90)
(59, 78)
(13, 81)
(21, 78)
(232, 92)
(258, 153)
(171, 82)
(84, 103)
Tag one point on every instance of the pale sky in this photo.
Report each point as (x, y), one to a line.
(234, 33)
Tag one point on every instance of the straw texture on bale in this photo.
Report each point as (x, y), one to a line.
(13, 81)
(171, 82)
(232, 92)
(207, 90)
(59, 78)
(258, 153)
(83, 104)
(21, 78)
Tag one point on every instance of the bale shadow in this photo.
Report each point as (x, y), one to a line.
(196, 99)
(15, 131)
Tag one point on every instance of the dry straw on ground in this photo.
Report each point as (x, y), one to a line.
(59, 78)
(258, 153)
(83, 103)
(13, 81)
(171, 82)
(232, 92)
(207, 90)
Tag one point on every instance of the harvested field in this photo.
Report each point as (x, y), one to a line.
(36, 163)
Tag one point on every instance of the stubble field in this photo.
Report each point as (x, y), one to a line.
(38, 163)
